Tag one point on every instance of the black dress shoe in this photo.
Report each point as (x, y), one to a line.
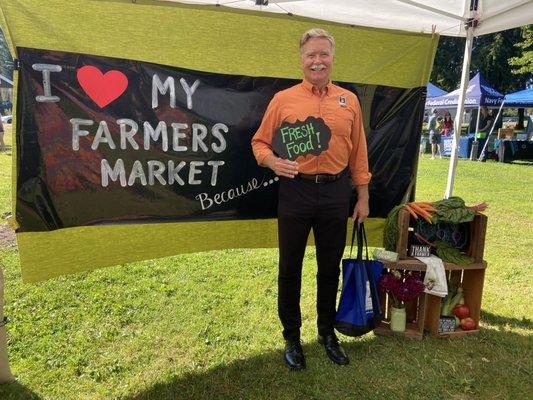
(294, 355)
(333, 349)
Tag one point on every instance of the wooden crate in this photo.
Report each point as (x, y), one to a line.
(472, 277)
(427, 310)
(415, 312)
(476, 247)
(506, 133)
(425, 314)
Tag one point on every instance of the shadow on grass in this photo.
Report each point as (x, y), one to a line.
(500, 321)
(16, 391)
(264, 376)
(380, 368)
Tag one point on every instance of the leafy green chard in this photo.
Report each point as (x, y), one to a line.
(453, 211)
(450, 254)
(391, 229)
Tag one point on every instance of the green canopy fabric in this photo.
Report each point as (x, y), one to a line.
(211, 39)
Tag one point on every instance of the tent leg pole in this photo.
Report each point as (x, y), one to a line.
(5, 372)
(482, 154)
(473, 151)
(460, 110)
(477, 121)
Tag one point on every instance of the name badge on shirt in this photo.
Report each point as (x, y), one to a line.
(342, 101)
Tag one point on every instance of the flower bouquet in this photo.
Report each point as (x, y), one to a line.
(401, 288)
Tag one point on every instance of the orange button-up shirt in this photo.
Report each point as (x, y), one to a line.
(340, 110)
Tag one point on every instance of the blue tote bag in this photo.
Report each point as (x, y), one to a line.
(359, 309)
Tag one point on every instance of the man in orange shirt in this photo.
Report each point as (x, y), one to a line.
(312, 137)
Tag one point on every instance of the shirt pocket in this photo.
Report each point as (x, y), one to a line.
(342, 122)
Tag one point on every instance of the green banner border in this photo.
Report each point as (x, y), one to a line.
(202, 38)
(215, 39)
(45, 255)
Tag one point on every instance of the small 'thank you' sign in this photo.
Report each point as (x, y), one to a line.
(301, 138)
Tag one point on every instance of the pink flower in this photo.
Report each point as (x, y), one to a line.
(401, 287)
(388, 283)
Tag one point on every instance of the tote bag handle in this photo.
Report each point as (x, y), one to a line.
(359, 228)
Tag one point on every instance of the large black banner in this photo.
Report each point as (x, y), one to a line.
(103, 140)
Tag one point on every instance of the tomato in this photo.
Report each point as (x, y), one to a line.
(461, 311)
(468, 324)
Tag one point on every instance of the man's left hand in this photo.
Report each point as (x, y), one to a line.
(361, 211)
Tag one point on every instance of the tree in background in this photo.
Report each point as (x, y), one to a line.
(523, 64)
(504, 58)
(448, 63)
(493, 55)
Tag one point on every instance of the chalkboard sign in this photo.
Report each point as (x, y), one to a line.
(446, 324)
(301, 138)
(417, 250)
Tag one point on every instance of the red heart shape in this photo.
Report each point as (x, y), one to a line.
(102, 88)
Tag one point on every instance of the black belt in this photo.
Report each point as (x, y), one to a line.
(322, 178)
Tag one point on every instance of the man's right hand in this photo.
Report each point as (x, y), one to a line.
(281, 167)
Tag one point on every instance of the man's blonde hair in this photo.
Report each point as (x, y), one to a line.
(317, 33)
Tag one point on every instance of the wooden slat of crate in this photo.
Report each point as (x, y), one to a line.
(478, 230)
(411, 311)
(411, 331)
(422, 306)
(412, 264)
(432, 310)
(457, 334)
(403, 235)
(473, 291)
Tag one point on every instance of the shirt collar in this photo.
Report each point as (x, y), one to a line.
(310, 89)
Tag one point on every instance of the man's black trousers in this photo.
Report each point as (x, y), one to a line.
(324, 207)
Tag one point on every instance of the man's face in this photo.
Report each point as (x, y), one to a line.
(317, 60)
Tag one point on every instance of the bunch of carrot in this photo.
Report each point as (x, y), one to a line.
(422, 209)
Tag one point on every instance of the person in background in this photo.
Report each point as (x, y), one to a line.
(448, 124)
(485, 123)
(435, 138)
(315, 191)
(432, 120)
(432, 126)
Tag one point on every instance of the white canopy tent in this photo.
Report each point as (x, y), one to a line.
(446, 17)
(462, 18)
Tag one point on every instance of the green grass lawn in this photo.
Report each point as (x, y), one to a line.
(205, 326)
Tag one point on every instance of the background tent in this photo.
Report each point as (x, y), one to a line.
(523, 98)
(444, 17)
(478, 94)
(434, 91)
